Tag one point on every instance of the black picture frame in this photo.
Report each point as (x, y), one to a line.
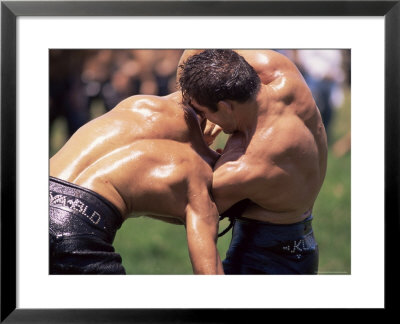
(10, 10)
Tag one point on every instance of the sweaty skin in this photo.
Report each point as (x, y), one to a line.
(147, 156)
(276, 155)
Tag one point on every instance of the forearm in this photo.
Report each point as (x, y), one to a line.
(204, 256)
(202, 234)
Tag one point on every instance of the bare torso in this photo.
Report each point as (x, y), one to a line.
(287, 152)
(148, 178)
(107, 155)
(148, 157)
(280, 165)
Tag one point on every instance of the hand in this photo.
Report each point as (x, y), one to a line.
(210, 132)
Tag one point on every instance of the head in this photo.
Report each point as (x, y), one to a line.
(211, 80)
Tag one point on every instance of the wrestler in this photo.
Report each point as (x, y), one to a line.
(274, 162)
(147, 156)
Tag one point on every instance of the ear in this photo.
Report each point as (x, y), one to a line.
(225, 105)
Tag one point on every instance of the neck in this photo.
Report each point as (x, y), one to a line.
(261, 100)
(251, 112)
(176, 96)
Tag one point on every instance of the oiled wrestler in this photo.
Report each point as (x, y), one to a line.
(145, 157)
(274, 163)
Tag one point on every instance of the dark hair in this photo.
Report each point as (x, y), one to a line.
(215, 75)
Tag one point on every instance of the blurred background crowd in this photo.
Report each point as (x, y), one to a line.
(87, 83)
(327, 73)
(80, 78)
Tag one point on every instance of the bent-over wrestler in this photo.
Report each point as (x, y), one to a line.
(274, 162)
(147, 156)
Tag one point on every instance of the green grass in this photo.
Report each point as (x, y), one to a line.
(149, 246)
(332, 224)
(332, 217)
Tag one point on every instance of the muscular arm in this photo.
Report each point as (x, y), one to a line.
(232, 182)
(202, 233)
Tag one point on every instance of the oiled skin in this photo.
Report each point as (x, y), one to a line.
(147, 156)
(276, 155)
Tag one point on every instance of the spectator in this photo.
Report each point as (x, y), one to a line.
(323, 72)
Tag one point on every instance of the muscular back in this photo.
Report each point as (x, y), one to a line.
(134, 119)
(150, 177)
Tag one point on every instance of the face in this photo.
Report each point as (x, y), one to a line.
(223, 117)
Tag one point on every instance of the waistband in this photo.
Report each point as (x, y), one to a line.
(235, 212)
(85, 203)
(260, 231)
(262, 223)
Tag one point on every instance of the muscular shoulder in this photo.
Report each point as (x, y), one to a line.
(287, 135)
(158, 117)
(154, 103)
(179, 172)
(268, 64)
(195, 168)
(279, 75)
(179, 158)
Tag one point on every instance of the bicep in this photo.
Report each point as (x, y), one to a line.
(233, 182)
